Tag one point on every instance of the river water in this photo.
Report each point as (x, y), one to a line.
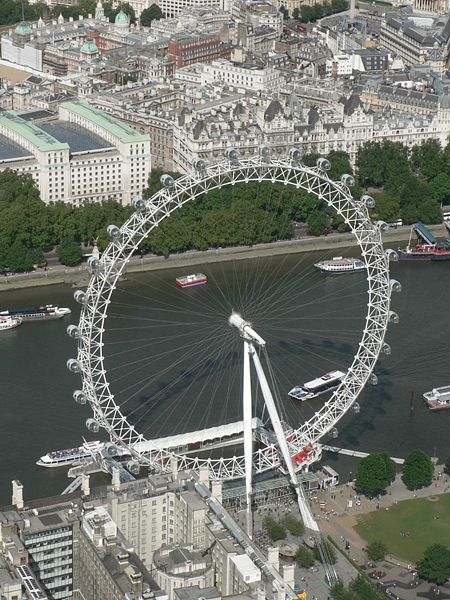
(175, 364)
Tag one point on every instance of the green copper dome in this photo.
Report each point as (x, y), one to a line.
(89, 48)
(23, 28)
(122, 18)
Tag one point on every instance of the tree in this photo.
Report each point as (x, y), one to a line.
(328, 549)
(296, 13)
(69, 252)
(19, 258)
(364, 590)
(304, 557)
(153, 13)
(440, 188)
(428, 159)
(387, 207)
(340, 164)
(447, 466)
(285, 11)
(318, 222)
(111, 12)
(391, 469)
(275, 530)
(378, 162)
(339, 592)
(293, 525)
(375, 472)
(359, 589)
(376, 551)
(11, 11)
(417, 470)
(435, 565)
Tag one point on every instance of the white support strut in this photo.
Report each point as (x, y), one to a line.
(305, 511)
(248, 437)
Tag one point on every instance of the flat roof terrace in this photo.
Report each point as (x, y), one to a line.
(10, 151)
(78, 137)
(110, 124)
(30, 132)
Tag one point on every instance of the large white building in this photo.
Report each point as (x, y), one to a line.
(81, 155)
(245, 76)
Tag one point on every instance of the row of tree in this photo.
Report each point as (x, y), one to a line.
(277, 529)
(433, 567)
(28, 227)
(307, 14)
(14, 11)
(407, 184)
(87, 7)
(359, 589)
(377, 471)
(410, 184)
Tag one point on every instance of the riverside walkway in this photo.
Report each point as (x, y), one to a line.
(356, 453)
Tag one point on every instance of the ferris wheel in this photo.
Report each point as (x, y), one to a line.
(293, 447)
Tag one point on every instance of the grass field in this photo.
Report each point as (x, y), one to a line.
(418, 517)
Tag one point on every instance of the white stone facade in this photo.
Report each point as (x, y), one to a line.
(118, 169)
(242, 76)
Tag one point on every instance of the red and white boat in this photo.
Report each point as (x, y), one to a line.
(9, 323)
(191, 280)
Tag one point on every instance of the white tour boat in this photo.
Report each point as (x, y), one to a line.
(9, 323)
(338, 264)
(61, 458)
(311, 389)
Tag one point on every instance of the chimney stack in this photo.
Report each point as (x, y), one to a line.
(85, 488)
(17, 494)
(115, 479)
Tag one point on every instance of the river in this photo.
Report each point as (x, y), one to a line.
(175, 364)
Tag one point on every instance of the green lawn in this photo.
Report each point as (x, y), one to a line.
(414, 516)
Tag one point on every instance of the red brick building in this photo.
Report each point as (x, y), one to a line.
(185, 50)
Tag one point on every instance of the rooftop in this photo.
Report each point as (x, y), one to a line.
(78, 138)
(30, 132)
(9, 150)
(110, 124)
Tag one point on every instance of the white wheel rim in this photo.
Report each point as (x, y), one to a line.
(185, 189)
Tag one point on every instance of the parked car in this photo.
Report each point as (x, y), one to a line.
(377, 574)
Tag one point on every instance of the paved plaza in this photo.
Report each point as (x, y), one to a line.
(336, 511)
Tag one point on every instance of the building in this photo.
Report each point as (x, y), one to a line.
(180, 566)
(185, 50)
(254, 77)
(79, 155)
(417, 40)
(171, 8)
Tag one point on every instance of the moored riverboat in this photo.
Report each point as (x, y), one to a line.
(48, 312)
(191, 280)
(438, 398)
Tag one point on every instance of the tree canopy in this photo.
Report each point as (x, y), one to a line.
(293, 525)
(275, 530)
(447, 466)
(317, 11)
(374, 474)
(417, 470)
(69, 252)
(378, 162)
(11, 11)
(435, 565)
(376, 550)
(359, 589)
(152, 13)
(111, 11)
(304, 557)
